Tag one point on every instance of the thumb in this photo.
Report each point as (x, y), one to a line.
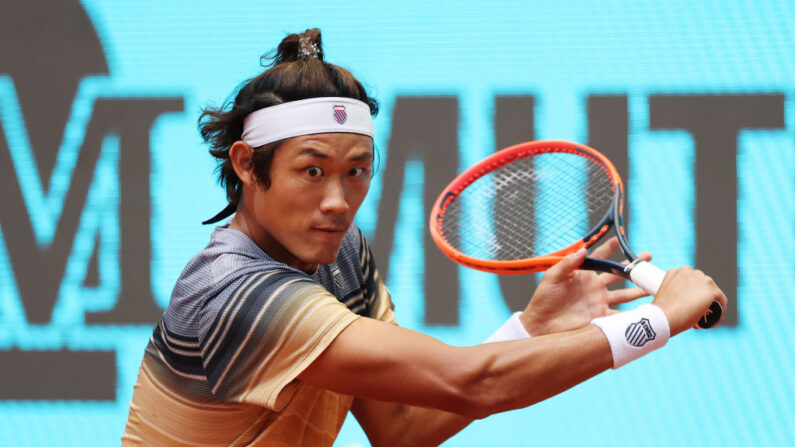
(566, 267)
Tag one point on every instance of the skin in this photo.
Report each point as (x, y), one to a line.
(544, 316)
(318, 183)
(411, 389)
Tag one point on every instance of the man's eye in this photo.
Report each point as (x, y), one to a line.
(314, 171)
(358, 172)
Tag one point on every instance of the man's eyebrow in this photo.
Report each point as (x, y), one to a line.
(364, 156)
(314, 153)
(318, 154)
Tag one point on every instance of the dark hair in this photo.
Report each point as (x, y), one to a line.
(297, 71)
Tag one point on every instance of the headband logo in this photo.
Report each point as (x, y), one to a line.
(340, 114)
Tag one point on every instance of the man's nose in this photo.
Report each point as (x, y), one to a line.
(334, 200)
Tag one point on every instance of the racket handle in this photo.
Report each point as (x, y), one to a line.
(649, 278)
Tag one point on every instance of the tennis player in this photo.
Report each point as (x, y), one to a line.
(282, 324)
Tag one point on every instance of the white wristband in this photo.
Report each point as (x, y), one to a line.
(635, 333)
(512, 329)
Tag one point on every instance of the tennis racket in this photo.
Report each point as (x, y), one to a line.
(524, 208)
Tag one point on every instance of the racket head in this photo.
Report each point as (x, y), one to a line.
(485, 218)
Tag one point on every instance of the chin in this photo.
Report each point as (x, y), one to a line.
(326, 258)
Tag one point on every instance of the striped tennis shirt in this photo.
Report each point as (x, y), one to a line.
(221, 367)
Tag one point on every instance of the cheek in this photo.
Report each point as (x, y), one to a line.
(359, 193)
(286, 203)
(270, 207)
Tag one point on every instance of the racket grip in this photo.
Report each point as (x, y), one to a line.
(647, 276)
(650, 277)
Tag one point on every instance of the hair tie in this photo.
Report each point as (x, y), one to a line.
(307, 48)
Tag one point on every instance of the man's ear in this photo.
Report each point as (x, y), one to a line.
(240, 156)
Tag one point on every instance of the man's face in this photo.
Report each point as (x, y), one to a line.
(318, 183)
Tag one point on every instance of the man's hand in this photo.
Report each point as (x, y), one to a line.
(685, 295)
(567, 298)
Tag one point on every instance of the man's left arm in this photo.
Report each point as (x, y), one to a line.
(391, 424)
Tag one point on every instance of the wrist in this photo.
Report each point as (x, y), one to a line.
(530, 324)
(512, 329)
(635, 333)
(676, 323)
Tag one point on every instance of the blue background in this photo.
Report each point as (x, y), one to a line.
(725, 387)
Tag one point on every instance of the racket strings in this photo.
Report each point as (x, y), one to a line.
(528, 207)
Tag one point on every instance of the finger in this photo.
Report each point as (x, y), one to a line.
(723, 302)
(566, 267)
(608, 278)
(625, 295)
(646, 256)
(605, 250)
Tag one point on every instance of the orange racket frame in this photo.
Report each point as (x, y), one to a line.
(497, 160)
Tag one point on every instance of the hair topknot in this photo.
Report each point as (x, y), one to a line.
(294, 47)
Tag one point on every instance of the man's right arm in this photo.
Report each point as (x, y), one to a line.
(379, 361)
(372, 360)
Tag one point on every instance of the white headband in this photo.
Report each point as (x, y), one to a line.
(306, 117)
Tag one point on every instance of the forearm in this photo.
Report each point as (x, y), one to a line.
(409, 368)
(555, 368)
(492, 378)
(520, 373)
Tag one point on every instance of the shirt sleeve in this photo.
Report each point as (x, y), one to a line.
(267, 332)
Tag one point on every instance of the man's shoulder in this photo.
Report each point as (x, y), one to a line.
(228, 252)
(266, 284)
(230, 264)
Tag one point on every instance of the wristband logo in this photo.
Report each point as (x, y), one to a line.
(640, 333)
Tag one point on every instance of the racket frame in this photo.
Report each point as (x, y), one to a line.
(544, 262)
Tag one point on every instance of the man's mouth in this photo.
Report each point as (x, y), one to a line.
(331, 230)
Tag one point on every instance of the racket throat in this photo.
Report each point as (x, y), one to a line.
(618, 223)
(600, 229)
